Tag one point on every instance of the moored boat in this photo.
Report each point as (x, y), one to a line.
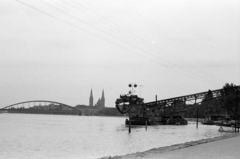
(214, 119)
(137, 121)
(174, 118)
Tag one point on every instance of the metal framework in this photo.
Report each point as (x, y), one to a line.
(33, 101)
(127, 103)
(123, 103)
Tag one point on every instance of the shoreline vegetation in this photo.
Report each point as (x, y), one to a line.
(160, 150)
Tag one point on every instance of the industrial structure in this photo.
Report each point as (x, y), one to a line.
(168, 111)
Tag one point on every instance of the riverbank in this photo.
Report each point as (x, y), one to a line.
(226, 146)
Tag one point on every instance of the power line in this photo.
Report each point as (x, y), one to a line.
(131, 33)
(143, 39)
(111, 34)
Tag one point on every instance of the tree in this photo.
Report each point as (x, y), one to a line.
(229, 98)
(209, 105)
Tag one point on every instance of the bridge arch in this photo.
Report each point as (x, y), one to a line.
(40, 101)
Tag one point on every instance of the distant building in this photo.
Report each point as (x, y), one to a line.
(79, 106)
(100, 103)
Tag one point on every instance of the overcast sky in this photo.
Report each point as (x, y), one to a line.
(59, 49)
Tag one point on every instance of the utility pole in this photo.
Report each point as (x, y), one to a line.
(236, 113)
(140, 89)
(129, 121)
(197, 111)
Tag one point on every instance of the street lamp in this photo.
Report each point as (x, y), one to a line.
(131, 85)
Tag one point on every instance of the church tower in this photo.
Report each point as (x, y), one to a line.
(91, 99)
(103, 100)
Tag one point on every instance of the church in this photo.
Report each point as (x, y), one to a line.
(100, 103)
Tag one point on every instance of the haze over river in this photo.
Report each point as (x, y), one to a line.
(33, 136)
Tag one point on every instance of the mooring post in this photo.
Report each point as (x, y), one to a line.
(156, 108)
(236, 113)
(146, 125)
(129, 122)
(197, 111)
(156, 100)
(197, 116)
(238, 123)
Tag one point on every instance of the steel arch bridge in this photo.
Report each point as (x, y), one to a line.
(38, 101)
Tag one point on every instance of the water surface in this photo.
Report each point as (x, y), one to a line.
(26, 136)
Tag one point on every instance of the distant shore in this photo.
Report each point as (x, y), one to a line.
(152, 153)
(106, 111)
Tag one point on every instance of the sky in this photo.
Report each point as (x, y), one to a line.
(59, 50)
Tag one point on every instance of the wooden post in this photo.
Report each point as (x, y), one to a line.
(156, 108)
(197, 116)
(129, 122)
(238, 124)
(236, 112)
(197, 111)
(164, 104)
(174, 105)
(129, 113)
(146, 125)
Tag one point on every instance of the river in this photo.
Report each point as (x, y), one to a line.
(30, 136)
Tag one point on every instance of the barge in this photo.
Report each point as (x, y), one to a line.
(160, 120)
(141, 114)
(217, 119)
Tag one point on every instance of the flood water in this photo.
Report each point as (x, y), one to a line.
(33, 136)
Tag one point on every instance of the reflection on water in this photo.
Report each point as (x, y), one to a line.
(59, 136)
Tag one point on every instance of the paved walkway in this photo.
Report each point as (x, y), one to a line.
(228, 148)
(222, 149)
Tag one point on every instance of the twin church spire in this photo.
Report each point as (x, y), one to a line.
(91, 99)
(100, 102)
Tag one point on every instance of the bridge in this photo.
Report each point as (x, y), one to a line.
(41, 107)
